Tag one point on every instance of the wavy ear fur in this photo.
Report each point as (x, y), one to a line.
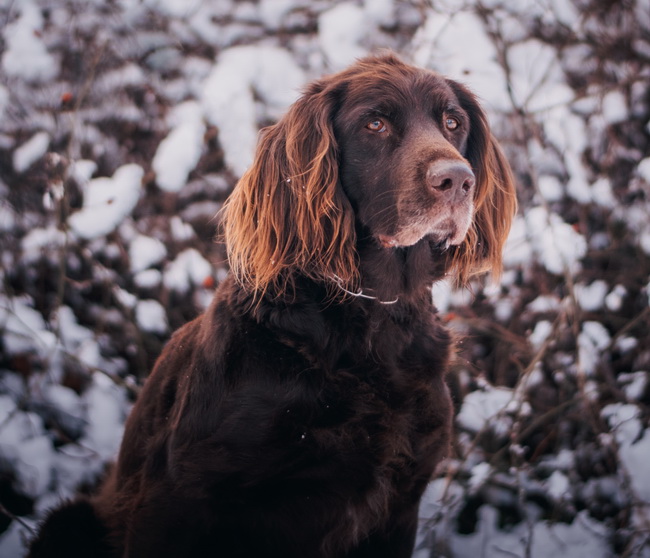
(287, 216)
(495, 199)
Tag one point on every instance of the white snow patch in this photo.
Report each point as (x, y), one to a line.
(634, 384)
(175, 8)
(64, 399)
(584, 538)
(602, 193)
(381, 12)
(557, 245)
(25, 445)
(30, 151)
(180, 151)
(544, 303)
(180, 230)
(145, 252)
(26, 55)
(105, 412)
(541, 333)
(591, 297)
(643, 169)
(518, 250)
(614, 107)
(558, 485)
(537, 79)
(634, 448)
(436, 45)
(550, 188)
(487, 407)
(71, 333)
(13, 539)
(8, 217)
(4, 99)
(107, 201)
(445, 296)
(24, 329)
(189, 268)
(273, 12)
(125, 298)
(151, 316)
(340, 32)
(228, 99)
(38, 241)
(82, 171)
(148, 279)
(479, 475)
(592, 340)
(625, 344)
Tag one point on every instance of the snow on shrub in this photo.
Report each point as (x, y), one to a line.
(229, 102)
(107, 201)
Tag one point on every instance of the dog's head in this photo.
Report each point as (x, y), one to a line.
(399, 153)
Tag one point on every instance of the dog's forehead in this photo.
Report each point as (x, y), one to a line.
(406, 86)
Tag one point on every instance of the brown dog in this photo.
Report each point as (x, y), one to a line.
(304, 413)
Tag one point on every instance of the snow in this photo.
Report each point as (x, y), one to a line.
(592, 340)
(105, 411)
(178, 8)
(541, 333)
(558, 485)
(181, 150)
(557, 245)
(634, 446)
(273, 12)
(175, 108)
(181, 231)
(40, 240)
(82, 171)
(189, 268)
(591, 297)
(31, 151)
(538, 82)
(487, 407)
(480, 473)
(634, 384)
(25, 55)
(550, 188)
(4, 99)
(643, 169)
(24, 328)
(475, 64)
(7, 217)
(340, 31)
(228, 96)
(151, 316)
(107, 201)
(148, 278)
(614, 107)
(145, 252)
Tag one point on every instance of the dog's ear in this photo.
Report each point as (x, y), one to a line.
(495, 201)
(287, 216)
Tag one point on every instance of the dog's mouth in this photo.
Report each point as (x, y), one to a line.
(441, 237)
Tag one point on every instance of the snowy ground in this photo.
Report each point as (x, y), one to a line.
(124, 125)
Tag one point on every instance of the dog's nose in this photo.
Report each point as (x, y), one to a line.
(451, 178)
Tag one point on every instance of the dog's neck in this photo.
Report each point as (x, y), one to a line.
(404, 273)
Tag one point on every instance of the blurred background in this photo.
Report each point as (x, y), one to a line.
(125, 124)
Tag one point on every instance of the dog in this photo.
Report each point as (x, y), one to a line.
(304, 413)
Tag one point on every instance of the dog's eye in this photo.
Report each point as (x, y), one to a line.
(451, 123)
(376, 126)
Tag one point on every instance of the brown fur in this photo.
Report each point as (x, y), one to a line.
(304, 413)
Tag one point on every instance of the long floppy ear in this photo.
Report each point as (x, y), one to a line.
(495, 201)
(287, 216)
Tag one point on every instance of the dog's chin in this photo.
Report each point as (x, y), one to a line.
(440, 238)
